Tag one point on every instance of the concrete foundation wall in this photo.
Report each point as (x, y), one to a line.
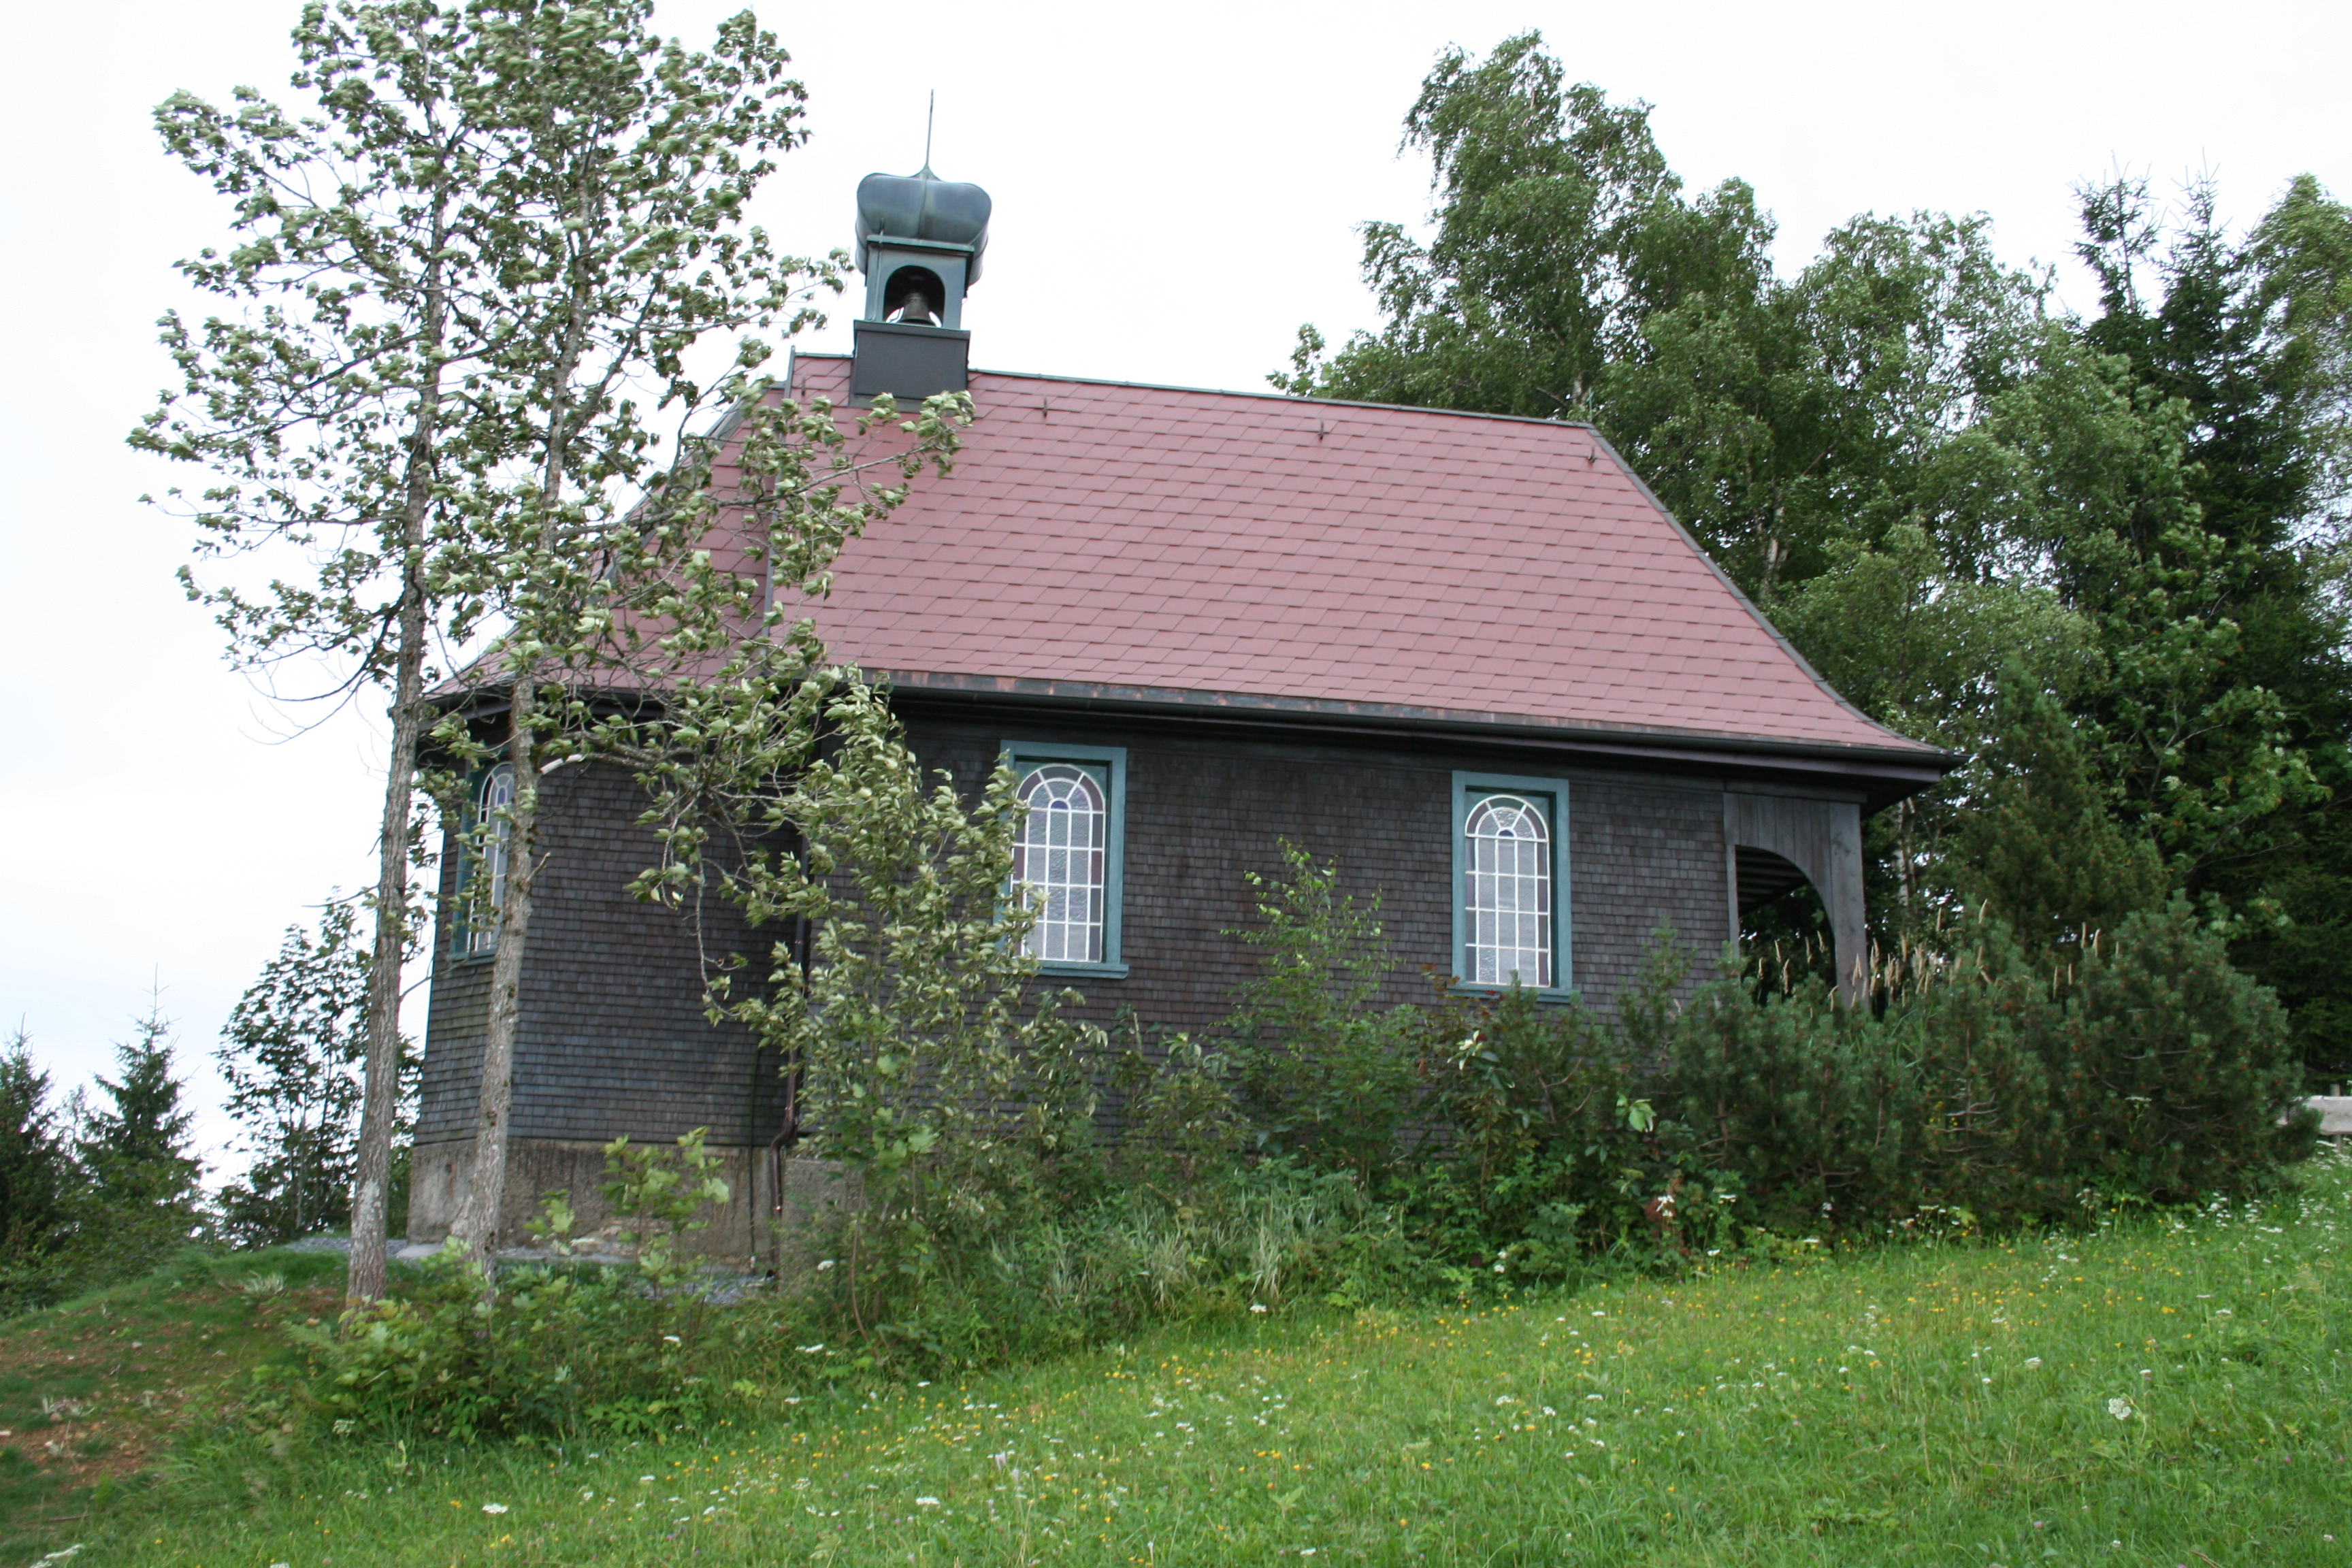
(752, 1230)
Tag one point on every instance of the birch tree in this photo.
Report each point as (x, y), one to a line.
(616, 211)
(342, 400)
(460, 292)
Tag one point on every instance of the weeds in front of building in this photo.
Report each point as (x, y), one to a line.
(1030, 1185)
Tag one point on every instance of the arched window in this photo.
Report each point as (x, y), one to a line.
(1059, 859)
(1507, 893)
(482, 902)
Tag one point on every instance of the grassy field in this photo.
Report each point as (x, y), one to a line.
(2167, 1392)
(91, 1395)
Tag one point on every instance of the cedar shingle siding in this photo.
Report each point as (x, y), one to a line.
(614, 1040)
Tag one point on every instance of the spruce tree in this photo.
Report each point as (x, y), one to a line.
(2251, 334)
(37, 1177)
(142, 1196)
(2041, 848)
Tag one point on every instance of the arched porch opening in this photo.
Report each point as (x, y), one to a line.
(1778, 845)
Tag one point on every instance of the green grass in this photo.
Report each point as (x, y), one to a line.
(1951, 1404)
(91, 1392)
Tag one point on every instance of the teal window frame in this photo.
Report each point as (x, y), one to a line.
(461, 926)
(1022, 755)
(1469, 788)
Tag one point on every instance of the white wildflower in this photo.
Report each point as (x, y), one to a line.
(926, 1502)
(2032, 1360)
(493, 1507)
(2120, 1409)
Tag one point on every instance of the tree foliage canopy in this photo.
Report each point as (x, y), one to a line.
(2102, 558)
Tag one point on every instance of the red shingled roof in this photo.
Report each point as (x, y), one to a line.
(1107, 540)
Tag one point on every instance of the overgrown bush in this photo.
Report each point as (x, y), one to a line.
(552, 1349)
(1504, 1141)
(1545, 1143)
(2173, 1068)
(1185, 1123)
(961, 1104)
(1933, 1103)
(1987, 1087)
(1981, 1088)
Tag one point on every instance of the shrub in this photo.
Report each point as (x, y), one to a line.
(1983, 1090)
(1328, 1076)
(1810, 1101)
(954, 1097)
(1552, 1147)
(550, 1351)
(555, 1350)
(2174, 1068)
(1185, 1124)
(1992, 1146)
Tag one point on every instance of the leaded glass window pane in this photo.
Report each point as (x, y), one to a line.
(1060, 861)
(1506, 892)
(482, 919)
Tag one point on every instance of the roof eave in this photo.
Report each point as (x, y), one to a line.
(1884, 774)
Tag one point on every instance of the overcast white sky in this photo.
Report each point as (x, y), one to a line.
(1176, 190)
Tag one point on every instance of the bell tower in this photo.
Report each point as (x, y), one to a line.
(919, 243)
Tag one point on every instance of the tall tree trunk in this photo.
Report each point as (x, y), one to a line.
(477, 1218)
(380, 1092)
(485, 1189)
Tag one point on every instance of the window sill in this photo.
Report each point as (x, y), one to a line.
(1548, 995)
(1063, 969)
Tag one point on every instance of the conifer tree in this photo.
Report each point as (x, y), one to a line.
(37, 1179)
(142, 1196)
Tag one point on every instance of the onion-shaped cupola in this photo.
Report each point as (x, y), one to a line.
(919, 242)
